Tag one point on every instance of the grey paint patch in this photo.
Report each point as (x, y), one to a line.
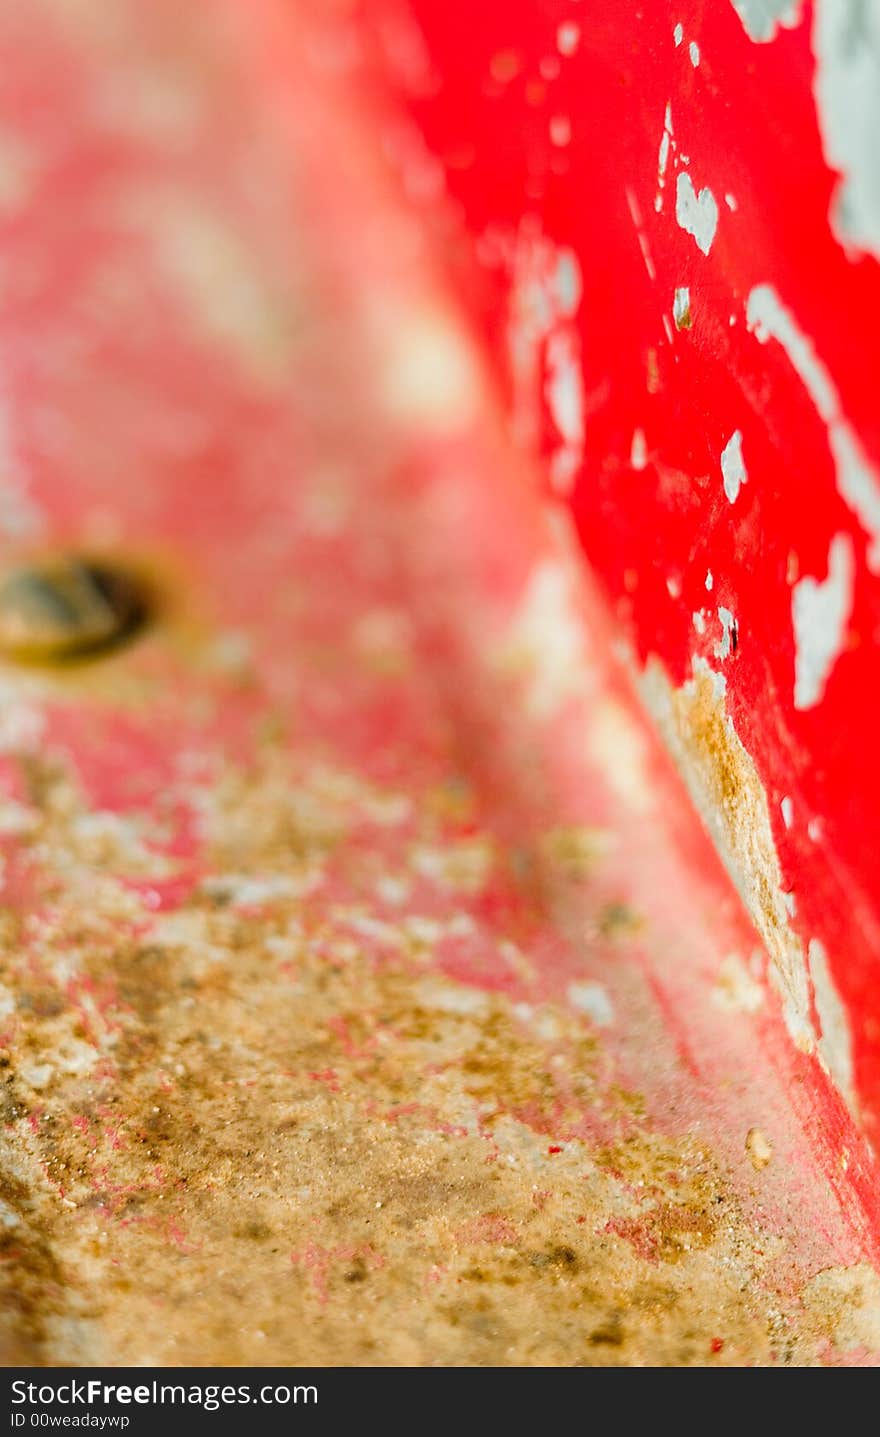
(694, 52)
(733, 469)
(763, 18)
(858, 482)
(696, 213)
(819, 612)
(678, 34)
(846, 85)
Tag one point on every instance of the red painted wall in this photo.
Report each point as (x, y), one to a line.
(549, 141)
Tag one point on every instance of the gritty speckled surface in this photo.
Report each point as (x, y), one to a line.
(265, 1127)
(369, 991)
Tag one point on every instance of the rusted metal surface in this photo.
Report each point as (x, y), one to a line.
(370, 992)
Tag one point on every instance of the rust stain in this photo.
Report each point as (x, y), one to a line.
(728, 792)
(193, 1186)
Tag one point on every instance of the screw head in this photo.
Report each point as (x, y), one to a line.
(66, 607)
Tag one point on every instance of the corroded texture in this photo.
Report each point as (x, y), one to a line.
(369, 991)
(264, 1127)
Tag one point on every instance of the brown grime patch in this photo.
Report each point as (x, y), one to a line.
(728, 792)
(250, 1135)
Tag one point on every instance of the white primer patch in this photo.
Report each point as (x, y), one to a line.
(667, 143)
(835, 1040)
(736, 988)
(678, 34)
(564, 388)
(787, 810)
(568, 37)
(724, 648)
(638, 454)
(696, 213)
(681, 307)
(820, 610)
(568, 282)
(733, 469)
(560, 130)
(762, 19)
(846, 85)
(592, 999)
(544, 345)
(858, 482)
(709, 580)
(546, 639)
(694, 53)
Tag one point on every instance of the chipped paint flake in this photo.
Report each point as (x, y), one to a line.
(567, 282)
(592, 999)
(694, 53)
(858, 482)
(820, 611)
(568, 37)
(667, 143)
(678, 34)
(697, 214)
(787, 811)
(638, 454)
(681, 308)
(546, 640)
(737, 988)
(727, 643)
(544, 347)
(728, 793)
(846, 84)
(835, 1038)
(709, 580)
(733, 469)
(759, 1149)
(768, 317)
(564, 392)
(762, 19)
(560, 130)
